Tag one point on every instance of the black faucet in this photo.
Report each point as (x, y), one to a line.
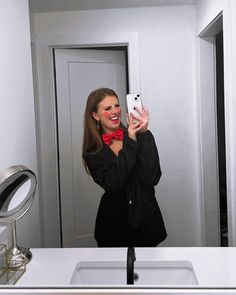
(130, 265)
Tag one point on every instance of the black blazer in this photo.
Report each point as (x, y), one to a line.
(128, 213)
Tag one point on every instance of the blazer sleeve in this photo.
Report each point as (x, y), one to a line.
(149, 169)
(112, 176)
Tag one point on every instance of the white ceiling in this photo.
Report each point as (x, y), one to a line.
(69, 5)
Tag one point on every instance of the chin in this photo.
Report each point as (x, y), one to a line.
(116, 125)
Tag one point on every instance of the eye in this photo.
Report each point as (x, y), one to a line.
(107, 108)
(117, 105)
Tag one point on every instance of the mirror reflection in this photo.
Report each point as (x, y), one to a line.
(14, 194)
(192, 202)
(19, 195)
(178, 56)
(164, 53)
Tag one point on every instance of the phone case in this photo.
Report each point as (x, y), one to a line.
(134, 100)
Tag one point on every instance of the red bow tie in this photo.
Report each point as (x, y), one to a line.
(118, 134)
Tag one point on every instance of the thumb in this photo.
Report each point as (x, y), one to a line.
(127, 118)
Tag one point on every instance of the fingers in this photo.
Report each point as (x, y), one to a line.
(138, 123)
(131, 118)
(146, 111)
(134, 117)
(139, 110)
(133, 126)
(143, 111)
(133, 121)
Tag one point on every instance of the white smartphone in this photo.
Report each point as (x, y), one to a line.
(134, 100)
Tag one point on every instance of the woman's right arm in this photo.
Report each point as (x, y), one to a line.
(112, 176)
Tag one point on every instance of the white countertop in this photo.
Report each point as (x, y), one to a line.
(214, 267)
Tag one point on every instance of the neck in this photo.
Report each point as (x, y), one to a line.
(109, 131)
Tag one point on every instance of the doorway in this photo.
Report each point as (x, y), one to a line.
(221, 138)
(78, 71)
(212, 134)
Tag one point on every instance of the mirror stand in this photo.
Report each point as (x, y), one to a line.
(17, 256)
(17, 190)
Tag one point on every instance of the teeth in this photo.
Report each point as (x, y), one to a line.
(114, 118)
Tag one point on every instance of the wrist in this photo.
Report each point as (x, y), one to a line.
(143, 130)
(132, 136)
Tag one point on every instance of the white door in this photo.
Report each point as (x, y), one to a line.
(78, 72)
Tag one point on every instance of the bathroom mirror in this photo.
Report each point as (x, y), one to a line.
(17, 190)
(188, 193)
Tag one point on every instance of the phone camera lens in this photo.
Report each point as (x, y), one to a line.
(137, 95)
(135, 98)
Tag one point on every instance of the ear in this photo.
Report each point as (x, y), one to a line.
(95, 116)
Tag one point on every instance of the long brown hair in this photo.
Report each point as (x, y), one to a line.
(92, 141)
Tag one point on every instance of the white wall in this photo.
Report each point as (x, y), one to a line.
(207, 11)
(17, 118)
(233, 40)
(167, 70)
(233, 106)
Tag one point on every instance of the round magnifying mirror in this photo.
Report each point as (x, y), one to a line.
(17, 190)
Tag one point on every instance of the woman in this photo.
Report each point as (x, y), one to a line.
(125, 163)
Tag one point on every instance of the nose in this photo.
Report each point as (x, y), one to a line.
(115, 110)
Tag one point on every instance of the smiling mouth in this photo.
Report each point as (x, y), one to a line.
(114, 118)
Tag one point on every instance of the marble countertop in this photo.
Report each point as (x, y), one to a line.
(214, 267)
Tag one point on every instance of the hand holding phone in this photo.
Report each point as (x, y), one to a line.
(134, 100)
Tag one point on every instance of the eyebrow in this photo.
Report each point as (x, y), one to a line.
(112, 105)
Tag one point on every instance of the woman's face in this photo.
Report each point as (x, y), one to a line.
(108, 114)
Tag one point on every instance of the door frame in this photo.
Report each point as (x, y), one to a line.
(208, 32)
(78, 209)
(46, 115)
(208, 134)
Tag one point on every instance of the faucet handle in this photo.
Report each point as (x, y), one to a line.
(131, 258)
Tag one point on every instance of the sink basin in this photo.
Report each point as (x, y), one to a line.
(148, 272)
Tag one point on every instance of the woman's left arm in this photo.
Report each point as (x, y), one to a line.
(148, 159)
(149, 168)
